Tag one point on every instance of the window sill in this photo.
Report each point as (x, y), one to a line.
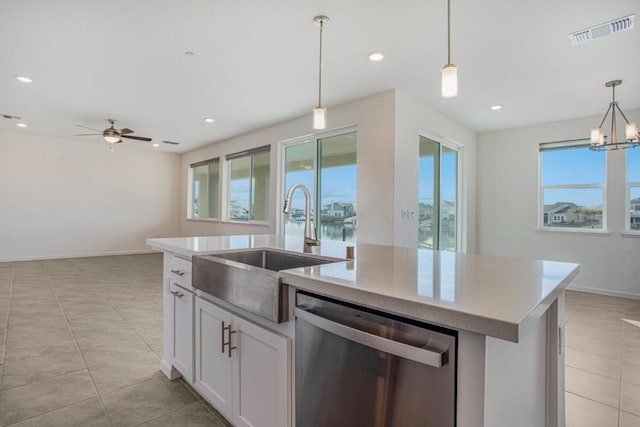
(257, 223)
(204, 219)
(630, 234)
(573, 231)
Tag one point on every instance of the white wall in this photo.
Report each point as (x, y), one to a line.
(412, 119)
(508, 208)
(374, 118)
(74, 198)
(388, 125)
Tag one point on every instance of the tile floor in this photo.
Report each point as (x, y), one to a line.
(80, 345)
(602, 361)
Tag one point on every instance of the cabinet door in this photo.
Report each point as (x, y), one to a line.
(260, 377)
(213, 364)
(182, 357)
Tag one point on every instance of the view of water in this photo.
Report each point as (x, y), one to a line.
(330, 231)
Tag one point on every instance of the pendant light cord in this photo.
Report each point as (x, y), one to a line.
(448, 31)
(320, 67)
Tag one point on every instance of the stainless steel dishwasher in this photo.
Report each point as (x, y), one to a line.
(359, 367)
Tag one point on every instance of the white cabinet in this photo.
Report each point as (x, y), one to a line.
(183, 305)
(213, 364)
(242, 369)
(178, 321)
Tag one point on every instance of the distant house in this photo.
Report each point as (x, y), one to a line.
(338, 210)
(634, 214)
(569, 214)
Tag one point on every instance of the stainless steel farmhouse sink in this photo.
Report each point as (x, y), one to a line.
(249, 279)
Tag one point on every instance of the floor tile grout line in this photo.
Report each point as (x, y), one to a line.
(594, 401)
(592, 353)
(48, 412)
(127, 322)
(75, 340)
(44, 379)
(6, 334)
(592, 373)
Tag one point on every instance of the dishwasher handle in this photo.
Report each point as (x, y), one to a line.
(431, 357)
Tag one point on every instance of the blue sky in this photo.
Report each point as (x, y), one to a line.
(339, 184)
(448, 178)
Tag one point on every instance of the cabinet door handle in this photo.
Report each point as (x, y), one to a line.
(178, 272)
(229, 343)
(222, 329)
(177, 294)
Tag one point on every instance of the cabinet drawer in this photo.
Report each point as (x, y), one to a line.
(179, 272)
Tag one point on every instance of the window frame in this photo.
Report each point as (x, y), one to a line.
(226, 175)
(627, 204)
(315, 194)
(461, 229)
(190, 194)
(569, 145)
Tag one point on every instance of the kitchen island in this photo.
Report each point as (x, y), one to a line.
(508, 314)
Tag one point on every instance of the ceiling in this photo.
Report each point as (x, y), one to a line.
(255, 62)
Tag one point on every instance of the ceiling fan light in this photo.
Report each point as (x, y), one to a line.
(449, 81)
(631, 132)
(111, 139)
(319, 118)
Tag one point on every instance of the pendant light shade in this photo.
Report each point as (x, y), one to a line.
(319, 118)
(449, 71)
(449, 81)
(602, 142)
(320, 113)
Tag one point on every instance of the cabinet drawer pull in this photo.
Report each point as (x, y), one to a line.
(178, 272)
(229, 343)
(177, 294)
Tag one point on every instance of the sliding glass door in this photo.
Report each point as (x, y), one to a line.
(438, 195)
(328, 168)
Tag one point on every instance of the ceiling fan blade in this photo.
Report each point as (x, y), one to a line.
(86, 127)
(9, 116)
(87, 134)
(125, 131)
(139, 138)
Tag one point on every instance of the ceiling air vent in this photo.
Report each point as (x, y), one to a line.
(615, 26)
(170, 142)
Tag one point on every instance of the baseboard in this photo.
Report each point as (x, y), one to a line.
(169, 371)
(603, 292)
(80, 255)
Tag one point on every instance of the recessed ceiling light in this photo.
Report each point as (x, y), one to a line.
(209, 120)
(24, 79)
(156, 144)
(189, 53)
(496, 107)
(21, 125)
(376, 56)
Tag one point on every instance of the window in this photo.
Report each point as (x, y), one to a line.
(633, 190)
(572, 186)
(249, 185)
(205, 187)
(327, 166)
(438, 168)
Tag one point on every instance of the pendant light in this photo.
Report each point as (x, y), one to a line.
(600, 141)
(320, 113)
(449, 71)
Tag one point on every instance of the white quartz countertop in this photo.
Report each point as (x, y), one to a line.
(489, 295)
